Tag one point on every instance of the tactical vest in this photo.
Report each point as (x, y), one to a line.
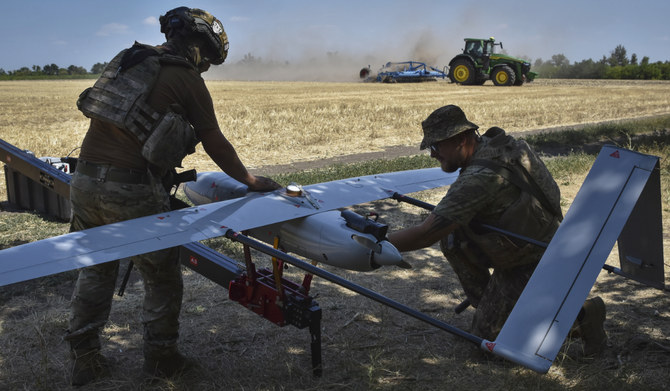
(516, 162)
(535, 214)
(120, 95)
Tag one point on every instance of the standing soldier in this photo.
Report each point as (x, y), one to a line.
(148, 110)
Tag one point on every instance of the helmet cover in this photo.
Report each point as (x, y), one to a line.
(194, 21)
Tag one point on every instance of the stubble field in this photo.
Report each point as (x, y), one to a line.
(365, 345)
(283, 122)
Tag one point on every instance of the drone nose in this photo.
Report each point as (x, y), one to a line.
(383, 253)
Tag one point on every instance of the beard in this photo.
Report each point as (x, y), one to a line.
(449, 166)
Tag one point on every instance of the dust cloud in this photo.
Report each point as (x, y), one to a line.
(337, 66)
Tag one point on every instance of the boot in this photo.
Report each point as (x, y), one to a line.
(88, 366)
(165, 365)
(591, 328)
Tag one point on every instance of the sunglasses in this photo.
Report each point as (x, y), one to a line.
(434, 147)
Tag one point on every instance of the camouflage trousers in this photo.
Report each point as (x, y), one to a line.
(492, 294)
(95, 203)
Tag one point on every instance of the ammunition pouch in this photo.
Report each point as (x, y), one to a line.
(172, 138)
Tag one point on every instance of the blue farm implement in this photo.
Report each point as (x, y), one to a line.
(404, 72)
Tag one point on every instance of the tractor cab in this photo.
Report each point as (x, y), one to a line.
(474, 48)
(480, 47)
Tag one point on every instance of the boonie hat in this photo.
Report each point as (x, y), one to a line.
(444, 123)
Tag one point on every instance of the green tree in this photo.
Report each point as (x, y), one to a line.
(23, 71)
(50, 69)
(614, 72)
(618, 57)
(587, 69)
(75, 70)
(650, 71)
(98, 67)
(560, 60)
(665, 69)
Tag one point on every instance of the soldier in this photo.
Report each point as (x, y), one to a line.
(502, 183)
(148, 110)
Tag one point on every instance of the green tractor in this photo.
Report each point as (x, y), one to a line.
(479, 63)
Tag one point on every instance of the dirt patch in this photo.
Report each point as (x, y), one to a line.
(387, 153)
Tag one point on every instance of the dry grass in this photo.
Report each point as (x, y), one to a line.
(365, 345)
(279, 122)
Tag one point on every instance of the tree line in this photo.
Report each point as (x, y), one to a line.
(615, 66)
(52, 70)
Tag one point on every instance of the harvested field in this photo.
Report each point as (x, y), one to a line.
(366, 346)
(282, 122)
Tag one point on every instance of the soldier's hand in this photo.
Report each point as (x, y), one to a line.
(264, 184)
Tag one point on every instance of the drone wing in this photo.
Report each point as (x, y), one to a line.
(124, 239)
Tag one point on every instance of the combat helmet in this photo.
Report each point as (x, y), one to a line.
(444, 123)
(189, 22)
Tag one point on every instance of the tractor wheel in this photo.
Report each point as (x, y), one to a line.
(503, 76)
(462, 72)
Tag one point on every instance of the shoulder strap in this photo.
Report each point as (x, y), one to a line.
(135, 55)
(525, 183)
(139, 52)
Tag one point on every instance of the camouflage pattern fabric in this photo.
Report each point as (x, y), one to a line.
(482, 196)
(444, 123)
(94, 203)
(492, 294)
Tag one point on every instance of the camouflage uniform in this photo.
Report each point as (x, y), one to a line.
(130, 190)
(148, 110)
(98, 202)
(481, 195)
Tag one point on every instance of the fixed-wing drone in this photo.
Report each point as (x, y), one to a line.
(619, 201)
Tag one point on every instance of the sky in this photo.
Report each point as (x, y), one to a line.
(313, 39)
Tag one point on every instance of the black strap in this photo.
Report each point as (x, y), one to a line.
(527, 183)
(107, 172)
(135, 55)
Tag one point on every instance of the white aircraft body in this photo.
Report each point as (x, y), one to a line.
(324, 237)
(146, 234)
